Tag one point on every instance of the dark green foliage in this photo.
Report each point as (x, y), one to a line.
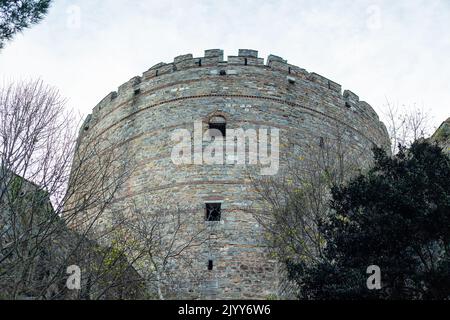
(397, 216)
(16, 15)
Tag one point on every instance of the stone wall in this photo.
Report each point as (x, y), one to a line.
(442, 136)
(248, 93)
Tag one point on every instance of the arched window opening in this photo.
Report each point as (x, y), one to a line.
(218, 123)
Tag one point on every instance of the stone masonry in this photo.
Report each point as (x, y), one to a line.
(247, 93)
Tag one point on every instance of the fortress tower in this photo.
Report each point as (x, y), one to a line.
(241, 92)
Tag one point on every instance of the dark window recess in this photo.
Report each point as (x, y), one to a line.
(289, 70)
(246, 61)
(321, 143)
(137, 91)
(210, 265)
(157, 73)
(222, 127)
(213, 211)
(223, 73)
(348, 105)
(200, 62)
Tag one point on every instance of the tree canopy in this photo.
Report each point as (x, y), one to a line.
(16, 15)
(397, 217)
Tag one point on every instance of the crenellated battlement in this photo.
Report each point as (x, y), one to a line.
(214, 60)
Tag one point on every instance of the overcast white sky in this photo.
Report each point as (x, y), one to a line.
(399, 50)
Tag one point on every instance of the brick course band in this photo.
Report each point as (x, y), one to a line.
(280, 101)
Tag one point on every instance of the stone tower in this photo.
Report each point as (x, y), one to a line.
(240, 92)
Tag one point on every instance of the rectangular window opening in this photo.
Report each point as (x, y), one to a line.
(213, 211)
(222, 127)
(210, 265)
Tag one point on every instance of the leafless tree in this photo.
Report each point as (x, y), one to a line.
(60, 206)
(406, 124)
(164, 243)
(45, 187)
(292, 204)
